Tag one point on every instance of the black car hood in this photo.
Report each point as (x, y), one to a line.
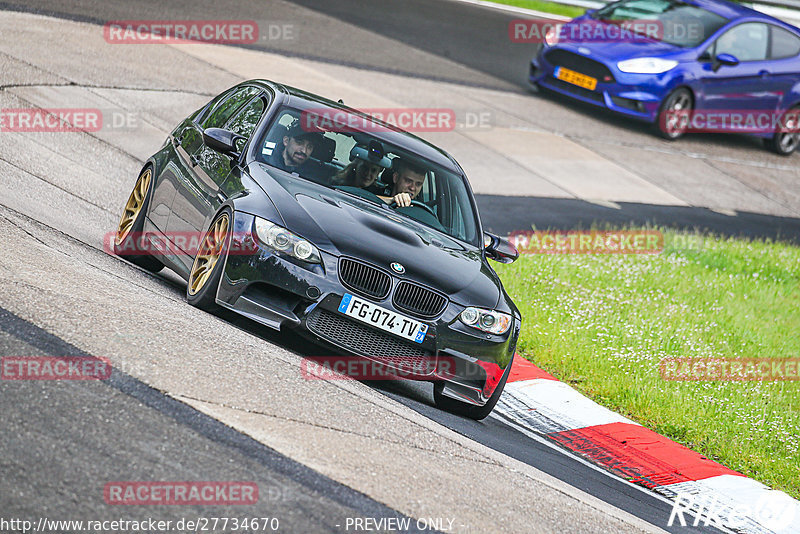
(344, 225)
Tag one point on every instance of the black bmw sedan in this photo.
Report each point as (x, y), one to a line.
(301, 213)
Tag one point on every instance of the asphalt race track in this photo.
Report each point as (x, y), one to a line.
(200, 397)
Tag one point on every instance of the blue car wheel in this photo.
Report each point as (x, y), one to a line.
(786, 141)
(674, 114)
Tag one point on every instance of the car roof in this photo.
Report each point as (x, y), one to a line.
(732, 11)
(303, 99)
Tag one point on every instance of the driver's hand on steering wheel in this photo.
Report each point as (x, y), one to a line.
(403, 200)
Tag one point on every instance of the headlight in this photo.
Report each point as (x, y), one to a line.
(551, 35)
(646, 65)
(487, 320)
(280, 239)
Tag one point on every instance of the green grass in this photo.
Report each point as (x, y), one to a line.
(544, 6)
(602, 323)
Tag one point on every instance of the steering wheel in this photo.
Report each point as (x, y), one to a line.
(418, 204)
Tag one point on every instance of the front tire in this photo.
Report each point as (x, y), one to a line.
(785, 142)
(470, 411)
(128, 242)
(674, 114)
(204, 277)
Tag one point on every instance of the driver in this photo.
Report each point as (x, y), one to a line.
(298, 144)
(407, 180)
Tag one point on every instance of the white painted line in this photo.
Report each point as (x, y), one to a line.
(532, 434)
(731, 503)
(791, 16)
(553, 406)
(741, 503)
(513, 9)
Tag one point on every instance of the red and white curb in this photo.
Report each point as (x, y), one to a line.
(703, 492)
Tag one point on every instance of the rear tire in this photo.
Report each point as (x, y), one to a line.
(674, 114)
(128, 242)
(784, 143)
(470, 411)
(204, 277)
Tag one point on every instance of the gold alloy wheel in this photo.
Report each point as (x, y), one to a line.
(134, 206)
(208, 254)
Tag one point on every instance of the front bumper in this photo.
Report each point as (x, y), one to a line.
(638, 96)
(278, 291)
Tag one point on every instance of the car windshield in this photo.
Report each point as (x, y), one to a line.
(679, 23)
(344, 151)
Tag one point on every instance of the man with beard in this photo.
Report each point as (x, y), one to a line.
(298, 145)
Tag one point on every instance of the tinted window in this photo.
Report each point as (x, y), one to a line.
(449, 207)
(679, 24)
(246, 120)
(203, 112)
(784, 44)
(225, 109)
(746, 42)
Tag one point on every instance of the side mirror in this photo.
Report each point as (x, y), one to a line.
(222, 141)
(499, 248)
(727, 60)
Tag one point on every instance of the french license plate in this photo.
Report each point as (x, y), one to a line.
(387, 320)
(576, 78)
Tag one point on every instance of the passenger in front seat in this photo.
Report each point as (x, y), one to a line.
(365, 164)
(358, 173)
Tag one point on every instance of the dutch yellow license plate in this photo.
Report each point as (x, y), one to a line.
(576, 78)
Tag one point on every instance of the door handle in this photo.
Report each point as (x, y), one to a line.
(763, 73)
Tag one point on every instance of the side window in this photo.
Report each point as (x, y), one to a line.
(746, 42)
(784, 44)
(246, 120)
(203, 112)
(225, 109)
(274, 138)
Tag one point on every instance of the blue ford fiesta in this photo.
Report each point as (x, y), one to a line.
(702, 56)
